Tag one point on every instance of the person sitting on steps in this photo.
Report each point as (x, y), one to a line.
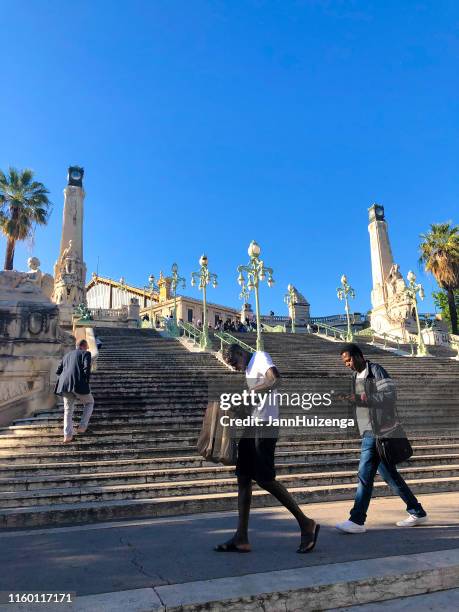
(256, 449)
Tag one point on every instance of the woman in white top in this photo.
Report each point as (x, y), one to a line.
(256, 453)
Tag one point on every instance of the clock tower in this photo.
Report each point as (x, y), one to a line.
(70, 270)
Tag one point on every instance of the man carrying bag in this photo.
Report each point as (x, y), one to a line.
(384, 443)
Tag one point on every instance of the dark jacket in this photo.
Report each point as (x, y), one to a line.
(74, 372)
(382, 398)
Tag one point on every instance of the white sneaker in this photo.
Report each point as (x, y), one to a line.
(412, 521)
(350, 527)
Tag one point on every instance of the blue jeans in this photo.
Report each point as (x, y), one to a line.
(368, 466)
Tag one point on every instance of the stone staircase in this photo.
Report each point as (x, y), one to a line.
(139, 458)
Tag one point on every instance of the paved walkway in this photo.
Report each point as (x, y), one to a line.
(137, 554)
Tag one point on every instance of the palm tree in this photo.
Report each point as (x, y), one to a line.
(24, 204)
(440, 255)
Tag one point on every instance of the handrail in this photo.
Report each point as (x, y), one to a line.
(273, 328)
(227, 338)
(169, 326)
(337, 333)
(385, 336)
(190, 331)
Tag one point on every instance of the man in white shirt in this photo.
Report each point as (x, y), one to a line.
(256, 452)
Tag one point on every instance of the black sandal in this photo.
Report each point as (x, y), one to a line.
(309, 545)
(231, 547)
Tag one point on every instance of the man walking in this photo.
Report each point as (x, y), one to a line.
(374, 397)
(74, 372)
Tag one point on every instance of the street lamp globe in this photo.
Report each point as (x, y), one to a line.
(174, 268)
(343, 279)
(203, 260)
(151, 279)
(290, 287)
(254, 249)
(411, 276)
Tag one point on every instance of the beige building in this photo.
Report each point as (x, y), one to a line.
(106, 293)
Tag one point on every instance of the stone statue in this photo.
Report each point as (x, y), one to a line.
(68, 259)
(44, 281)
(33, 282)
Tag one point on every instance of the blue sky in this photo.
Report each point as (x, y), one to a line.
(204, 124)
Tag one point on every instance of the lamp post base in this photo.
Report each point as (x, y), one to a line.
(174, 330)
(422, 351)
(205, 341)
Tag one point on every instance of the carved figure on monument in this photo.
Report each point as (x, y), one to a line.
(44, 281)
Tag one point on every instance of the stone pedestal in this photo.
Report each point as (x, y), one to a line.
(247, 313)
(300, 308)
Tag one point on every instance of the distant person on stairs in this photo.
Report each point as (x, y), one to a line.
(74, 373)
(374, 397)
(256, 449)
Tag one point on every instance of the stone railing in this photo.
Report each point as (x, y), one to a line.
(126, 316)
(120, 314)
(274, 319)
(455, 343)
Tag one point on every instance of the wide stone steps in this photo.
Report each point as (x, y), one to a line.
(139, 458)
(62, 495)
(89, 512)
(157, 414)
(144, 474)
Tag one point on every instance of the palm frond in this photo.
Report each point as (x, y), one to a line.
(439, 253)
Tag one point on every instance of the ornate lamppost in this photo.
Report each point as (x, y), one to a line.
(412, 290)
(346, 292)
(151, 288)
(290, 300)
(204, 277)
(176, 280)
(256, 272)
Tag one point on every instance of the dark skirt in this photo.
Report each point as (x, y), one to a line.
(255, 454)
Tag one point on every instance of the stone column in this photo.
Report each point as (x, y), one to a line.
(70, 269)
(391, 305)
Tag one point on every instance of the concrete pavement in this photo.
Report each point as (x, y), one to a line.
(130, 555)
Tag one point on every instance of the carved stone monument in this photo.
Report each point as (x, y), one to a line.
(30, 343)
(392, 308)
(70, 269)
